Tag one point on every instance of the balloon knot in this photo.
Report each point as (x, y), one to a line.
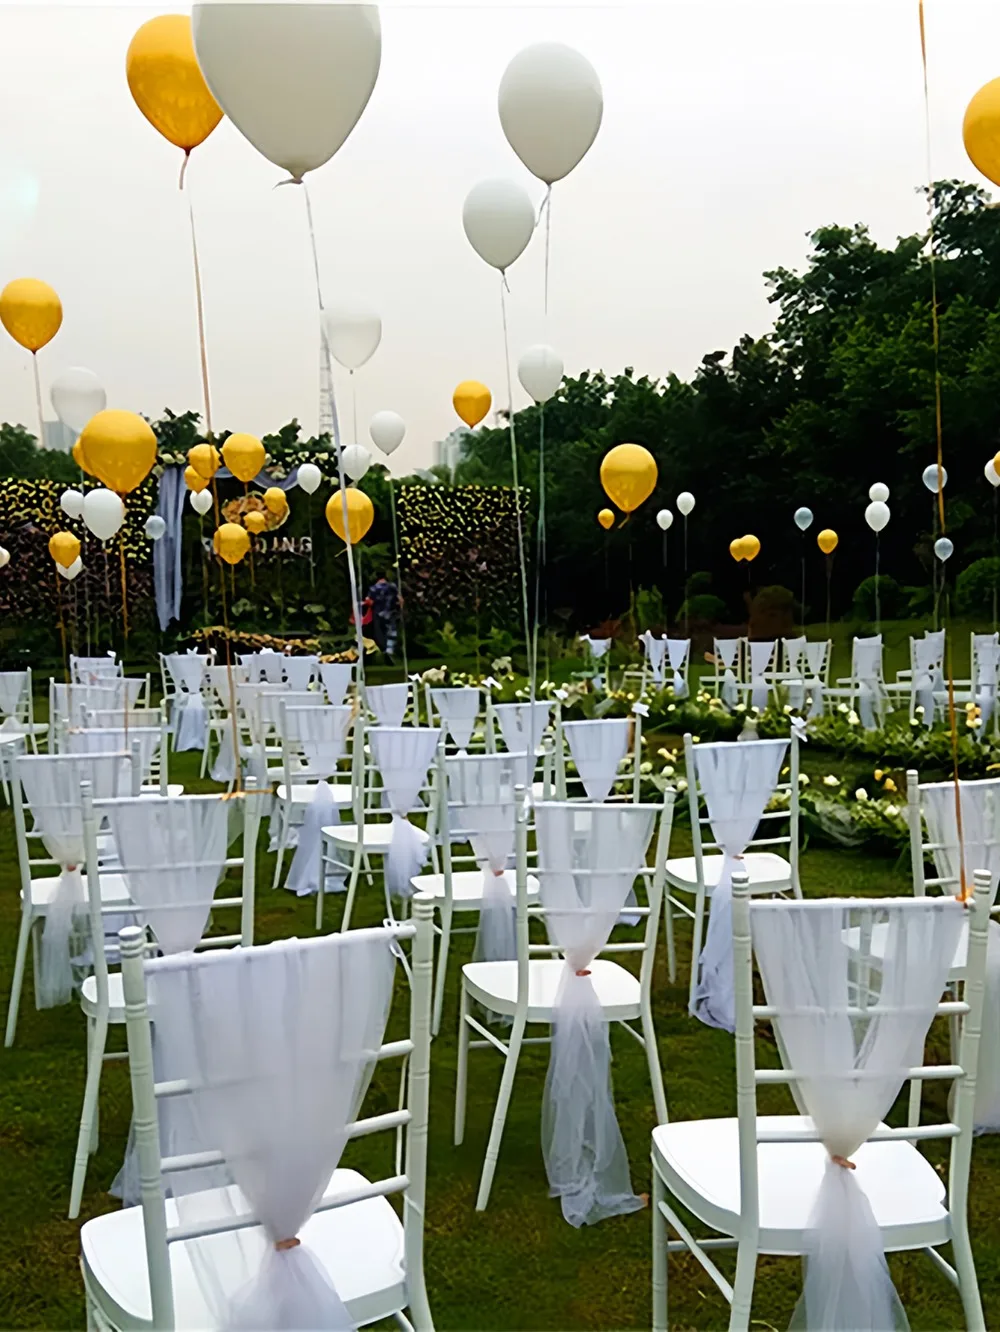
(292, 180)
(184, 165)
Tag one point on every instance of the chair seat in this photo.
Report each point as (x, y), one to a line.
(174, 789)
(467, 887)
(304, 792)
(18, 730)
(359, 1246)
(494, 985)
(375, 837)
(880, 935)
(116, 997)
(113, 891)
(699, 1159)
(768, 872)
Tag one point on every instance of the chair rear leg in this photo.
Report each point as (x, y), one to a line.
(500, 1114)
(17, 982)
(746, 1268)
(442, 968)
(97, 1037)
(696, 941)
(660, 1256)
(462, 1072)
(668, 930)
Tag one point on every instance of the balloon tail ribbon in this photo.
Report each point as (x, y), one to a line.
(540, 551)
(200, 307)
(547, 205)
(532, 673)
(184, 167)
(38, 401)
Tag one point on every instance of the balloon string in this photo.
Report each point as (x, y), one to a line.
(532, 673)
(121, 552)
(200, 306)
(548, 233)
(184, 167)
(540, 547)
(62, 626)
(38, 401)
(399, 578)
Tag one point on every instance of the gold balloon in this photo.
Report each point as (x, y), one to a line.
(205, 460)
(628, 475)
(31, 312)
(194, 480)
(167, 84)
(231, 542)
(275, 499)
(827, 541)
(981, 130)
(120, 449)
(606, 518)
(244, 455)
(255, 522)
(736, 549)
(751, 547)
(472, 401)
(64, 548)
(360, 513)
(78, 457)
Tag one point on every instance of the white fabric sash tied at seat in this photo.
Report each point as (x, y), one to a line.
(141, 741)
(926, 676)
(598, 748)
(403, 755)
(321, 732)
(336, 677)
(13, 685)
(677, 655)
(481, 805)
(522, 726)
(761, 655)
(190, 720)
(867, 656)
(588, 858)
(300, 671)
(655, 649)
(388, 702)
(265, 666)
(726, 650)
(458, 709)
(737, 782)
(985, 685)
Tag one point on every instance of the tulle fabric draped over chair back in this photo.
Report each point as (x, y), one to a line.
(321, 731)
(655, 649)
(522, 726)
(388, 702)
(598, 748)
(403, 755)
(481, 804)
(458, 710)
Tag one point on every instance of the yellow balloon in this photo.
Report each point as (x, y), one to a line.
(981, 130)
(244, 455)
(827, 541)
(78, 457)
(360, 513)
(255, 522)
(205, 460)
(64, 548)
(606, 518)
(31, 312)
(751, 547)
(628, 475)
(472, 401)
(120, 449)
(194, 480)
(736, 549)
(231, 542)
(167, 84)
(275, 499)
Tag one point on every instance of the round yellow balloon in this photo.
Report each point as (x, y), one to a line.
(205, 460)
(167, 84)
(120, 449)
(736, 549)
(244, 455)
(472, 401)
(79, 458)
(194, 480)
(751, 547)
(254, 522)
(232, 542)
(827, 541)
(275, 499)
(628, 475)
(606, 518)
(981, 130)
(64, 548)
(360, 513)
(31, 312)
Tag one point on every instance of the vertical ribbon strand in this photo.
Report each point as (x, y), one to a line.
(532, 674)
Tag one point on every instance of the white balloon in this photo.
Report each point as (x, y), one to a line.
(154, 527)
(387, 430)
(352, 335)
(356, 460)
(201, 501)
(944, 548)
(665, 519)
(4, 557)
(879, 491)
(803, 518)
(930, 478)
(877, 515)
(103, 512)
(540, 371)
(550, 105)
(293, 78)
(77, 395)
(71, 503)
(685, 502)
(499, 218)
(990, 472)
(71, 572)
(308, 477)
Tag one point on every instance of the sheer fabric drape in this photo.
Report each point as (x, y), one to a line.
(13, 685)
(926, 663)
(402, 755)
(278, 1044)
(322, 734)
(388, 702)
(458, 709)
(522, 726)
(264, 666)
(300, 671)
(655, 649)
(851, 1071)
(144, 740)
(598, 748)
(987, 657)
(190, 719)
(761, 657)
(588, 857)
(726, 650)
(737, 782)
(677, 655)
(867, 661)
(336, 677)
(481, 805)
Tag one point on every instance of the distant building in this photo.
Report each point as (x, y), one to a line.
(450, 451)
(58, 436)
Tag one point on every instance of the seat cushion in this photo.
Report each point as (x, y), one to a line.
(467, 887)
(359, 1246)
(768, 872)
(699, 1160)
(494, 985)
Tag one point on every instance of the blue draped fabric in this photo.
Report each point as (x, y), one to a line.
(167, 575)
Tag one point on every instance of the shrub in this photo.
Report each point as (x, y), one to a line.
(892, 599)
(772, 612)
(975, 587)
(705, 607)
(649, 608)
(698, 583)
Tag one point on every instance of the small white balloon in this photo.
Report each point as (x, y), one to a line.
(664, 520)
(72, 570)
(154, 527)
(4, 557)
(803, 518)
(352, 335)
(990, 472)
(540, 371)
(201, 501)
(930, 478)
(944, 548)
(387, 430)
(550, 105)
(103, 513)
(879, 491)
(71, 503)
(877, 515)
(77, 395)
(308, 477)
(356, 460)
(685, 502)
(499, 219)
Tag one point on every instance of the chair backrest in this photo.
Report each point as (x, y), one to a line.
(92, 670)
(223, 681)
(69, 702)
(266, 666)
(387, 704)
(475, 795)
(321, 963)
(147, 743)
(866, 659)
(314, 738)
(814, 659)
(597, 749)
(15, 695)
(458, 710)
(301, 671)
(932, 819)
(337, 678)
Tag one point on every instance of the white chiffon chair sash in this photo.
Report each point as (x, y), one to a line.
(13, 685)
(481, 805)
(403, 755)
(189, 722)
(814, 657)
(300, 672)
(677, 655)
(388, 702)
(522, 726)
(336, 677)
(598, 646)
(458, 709)
(867, 661)
(117, 740)
(985, 684)
(925, 667)
(655, 649)
(761, 656)
(598, 748)
(726, 650)
(737, 782)
(322, 734)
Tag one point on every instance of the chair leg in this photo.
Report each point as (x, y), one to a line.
(746, 1269)
(500, 1113)
(442, 967)
(699, 926)
(352, 887)
(968, 1286)
(18, 980)
(282, 842)
(655, 1071)
(660, 1256)
(462, 1072)
(97, 1038)
(668, 930)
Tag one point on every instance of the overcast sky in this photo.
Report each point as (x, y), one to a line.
(731, 128)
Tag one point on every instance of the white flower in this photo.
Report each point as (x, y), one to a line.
(861, 794)
(853, 718)
(670, 707)
(892, 811)
(662, 753)
(682, 785)
(787, 709)
(803, 779)
(841, 707)
(696, 739)
(830, 780)
(668, 770)
(645, 769)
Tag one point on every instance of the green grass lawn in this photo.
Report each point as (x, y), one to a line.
(518, 1265)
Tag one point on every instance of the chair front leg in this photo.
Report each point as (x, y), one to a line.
(500, 1113)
